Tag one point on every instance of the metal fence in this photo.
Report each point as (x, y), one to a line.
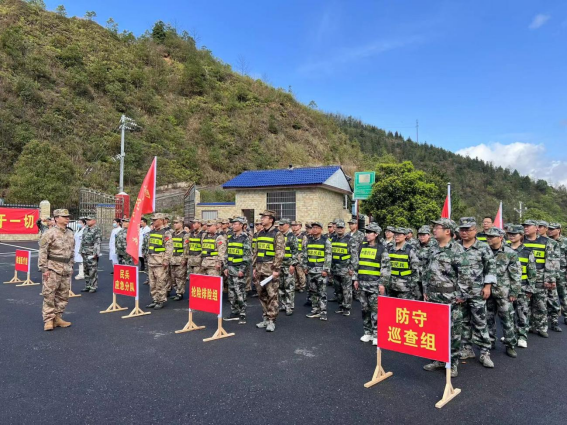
(103, 206)
(189, 204)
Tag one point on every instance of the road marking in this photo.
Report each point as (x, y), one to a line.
(22, 247)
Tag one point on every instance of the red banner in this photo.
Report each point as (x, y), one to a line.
(18, 221)
(22, 261)
(417, 328)
(205, 293)
(125, 280)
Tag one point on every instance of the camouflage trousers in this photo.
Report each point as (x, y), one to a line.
(522, 310)
(404, 295)
(126, 261)
(237, 294)
(179, 273)
(249, 278)
(553, 305)
(369, 305)
(169, 279)
(318, 288)
(562, 292)
(343, 289)
(268, 296)
(538, 311)
(457, 313)
(90, 270)
(300, 279)
(210, 271)
(287, 289)
(505, 310)
(158, 283)
(475, 330)
(55, 293)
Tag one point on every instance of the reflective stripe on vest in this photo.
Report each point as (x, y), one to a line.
(538, 249)
(287, 249)
(156, 243)
(340, 251)
(315, 253)
(524, 262)
(208, 248)
(300, 244)
(369, 264)
(194, 246)
(481, 238)
(266, 245)
(177, 246)
(235, 252)
(400, 264)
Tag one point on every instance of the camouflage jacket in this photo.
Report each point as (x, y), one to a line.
(145, 243)
(157, 259)
(399, 281)
(320, 267)
(220, 248)
(235, 268)
(121, 243)
(57, 251)
(413, 242)
(385, 270)
(562, 242)
(341, 267)
(358, 238)
(178, 259)
(387, 244)
(269, 267)
(423, 252)
(508, 273)
(550, 270)
(291, 257)
(92, 237)
(482, 266)
(448, 275)
(529, 274)
(300, 237)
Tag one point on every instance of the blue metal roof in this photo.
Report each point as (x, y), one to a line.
(216, 203)
(283, 177)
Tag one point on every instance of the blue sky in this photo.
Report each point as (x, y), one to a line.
(484, 78)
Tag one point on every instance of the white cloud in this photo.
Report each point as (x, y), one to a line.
(528, 158)
(539, 21)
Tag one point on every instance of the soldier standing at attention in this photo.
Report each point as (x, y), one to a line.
(160, 251)
(237, 259)
(505, 291)
(486, 224)
(178, 263)
(330, 230)
(388, 236)
(482, 266)
(121, 244)
(554, 233)
(405, 266)
(553, 305)
(194, 248)
(355, 233)
(213, 249)
(317, 264)
(345, 252)
(267, 259)
(410, 239)
(447, 279)
(299, 272)
(287, 275)
(56, 259)
(423, 248)
(90, 250)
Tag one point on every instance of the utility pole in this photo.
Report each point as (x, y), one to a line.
(417, 131)
(125, 124)
(521, 211)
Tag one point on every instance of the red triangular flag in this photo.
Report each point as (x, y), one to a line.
(146, 203)
(446, 212)
(498, 219)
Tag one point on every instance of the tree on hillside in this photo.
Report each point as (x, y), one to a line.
(158, 32)
(43, 171)
(37, 3)
(112, 26)
(402, 196)
(90, 15)
(61, 11)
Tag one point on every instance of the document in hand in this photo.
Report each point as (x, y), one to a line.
(266, 280)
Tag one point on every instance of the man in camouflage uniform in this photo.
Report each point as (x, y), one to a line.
(287, 275)
(355, 233)
(194, 248)
(299, 272)
(405, 268)
(547, 255)
(486, 224)
(56, 259)
(213, 250)
(529, 275)
(447, 279)
(423, 248)
(330, 230)
(345, 251)
(553, 304)
(121, 244)
(268, 254)
(388, 236)
(482, 266)
(555, 234)
(317, 264)
(410, 239)
(160, 251)
(505, 291)
(178, 263)
(237, 261)
(372, 272)
(90, 250)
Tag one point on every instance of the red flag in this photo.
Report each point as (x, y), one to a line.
(498, 219)
(146, 203)
(446, 213)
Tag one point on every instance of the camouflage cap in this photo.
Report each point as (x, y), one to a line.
(446, 223)
(308, 225)
(373, 228)
(167, 216)
(258, 221)
(390, 228)
(296, 223)
(494, 231)
(62, 212)
(178, 219)
(203, 222)
(353, 221)
(543, 223)
(529, 223)
(516, 229)
(553, 226)
(90, 217)
(330, 223)
(400, 230)
(269, 213)
(409, 229)
(466, 222)
(158, 216)
(211, 222)
(126, 220)
(238, 220)
(340, 223)
(193, 220)
(284, 221)
(424, 230)
(317, 223)
(225, 221)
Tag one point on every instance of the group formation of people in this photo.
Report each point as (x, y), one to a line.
(518, 273)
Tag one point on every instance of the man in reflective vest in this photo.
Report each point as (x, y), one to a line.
(160, 251)
(372, 272)
(405, 264)
(178, 264)
(194, 248)
(317, 264)
(268, 255)
(553, 305)
(345, 251)
(299, 272)
(213, 249)
(486, 224)
(546, 253)
(237, 260)
(554, 233)
(287, 274)
(528, 282)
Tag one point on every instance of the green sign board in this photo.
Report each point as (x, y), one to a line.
(363, 182)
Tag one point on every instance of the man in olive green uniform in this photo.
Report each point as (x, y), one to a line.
(122, 243)
(56, 259)
(160, 251)
(287, 274)
(553, 305)
(178, 264)
(268, 255)
(405, 268)
(90, 250)
(194, 248)
(555, 233)
(345, 251)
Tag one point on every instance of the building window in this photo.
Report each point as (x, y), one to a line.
(210, 215)
(283, 203)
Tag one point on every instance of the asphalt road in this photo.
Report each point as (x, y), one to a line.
(105, 369)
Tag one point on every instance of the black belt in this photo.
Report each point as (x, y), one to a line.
(442, 290)
(59, 259)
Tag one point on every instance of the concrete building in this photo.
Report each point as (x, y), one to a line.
(305, 194)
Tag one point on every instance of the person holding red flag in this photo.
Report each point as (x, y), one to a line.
(160, 252)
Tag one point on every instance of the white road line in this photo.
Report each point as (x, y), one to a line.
(21, 247)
